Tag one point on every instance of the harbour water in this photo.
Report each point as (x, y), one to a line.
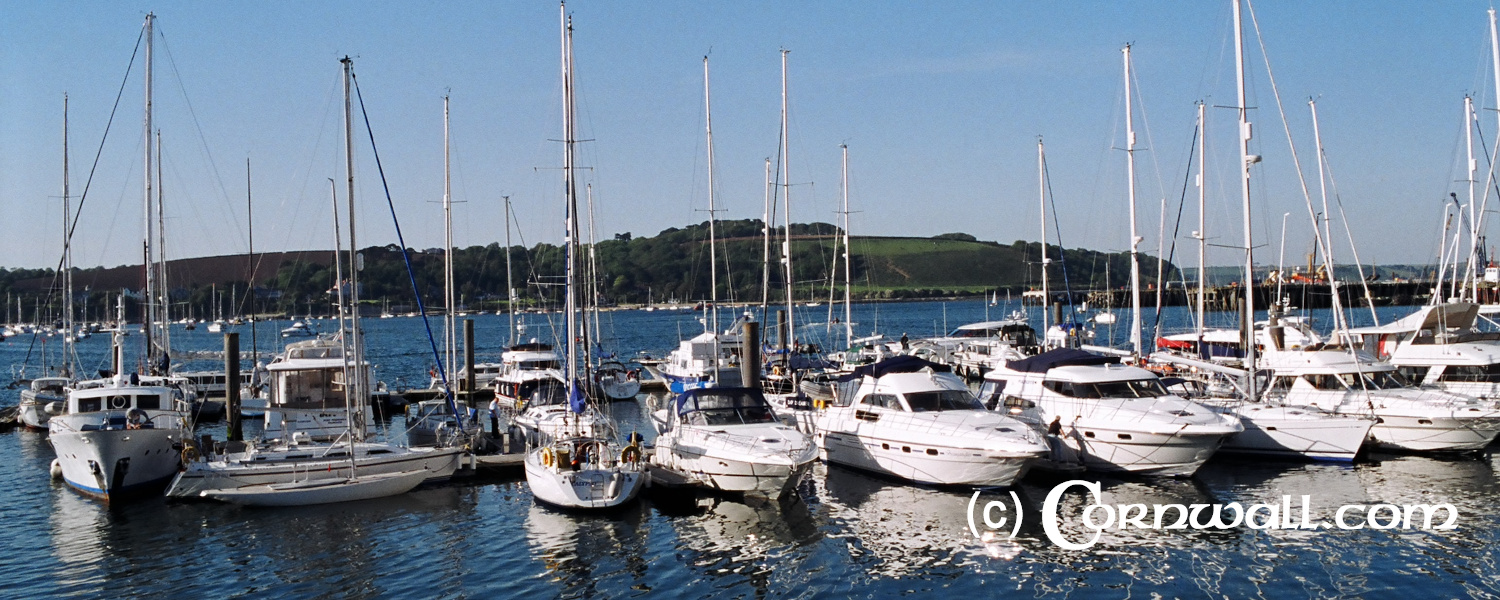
(844, 534)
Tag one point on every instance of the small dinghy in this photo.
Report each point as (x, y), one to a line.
(321, 491)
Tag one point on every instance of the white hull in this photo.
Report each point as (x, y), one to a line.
(33, 408)
(620, 390)
(1174, 453)
(1295, 432)
(586, 488)
(115, 462)
(1433, 434)
(546, 423)
(950, 466)
(310, 462)
(757, 465)
(321, 491)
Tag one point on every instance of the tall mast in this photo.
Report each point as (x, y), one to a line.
(1202, 234)
(765, 262)
(250, 225)
(1340, 320)
(1135, 239)
(1041, 188)
(165, 339)
(359, 379)
(1471, 279)
(713, 256)
(67, 360)
(786, 196)
(149, 291)
(848, 270)
(1247, 324)
(450, 339)
(570, 194)
(510, 286)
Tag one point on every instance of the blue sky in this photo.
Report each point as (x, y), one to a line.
(940, 104)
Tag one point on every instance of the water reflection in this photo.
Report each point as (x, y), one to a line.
(584, 554)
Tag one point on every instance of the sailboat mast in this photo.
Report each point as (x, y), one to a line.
(848, 271)
(1340, 320)
(786, 197)
(1135, 239)
(1201, 234)
(149, 292)
(250, 266)
(67, 262)
(450, 335)
(1041, 187)
(161, 259)
(1472, 279)
(570, 194)
(713, 256)
(765, 261)
(510, 286)
(355, 383)
(1247, 324)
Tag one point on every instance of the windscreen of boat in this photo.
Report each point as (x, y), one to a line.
(941, 400)
(540, 365)
(548, 394)
(1375, 380)
(725, 408)
(1472, 373)
(1132, 388)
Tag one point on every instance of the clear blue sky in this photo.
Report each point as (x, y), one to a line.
(939, 102)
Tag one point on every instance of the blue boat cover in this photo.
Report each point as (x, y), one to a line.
(1061, 357)
(897, 364)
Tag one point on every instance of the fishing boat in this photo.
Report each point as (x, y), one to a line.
(1111, 417)
(914, 420)
(574, 468)
(731, 440)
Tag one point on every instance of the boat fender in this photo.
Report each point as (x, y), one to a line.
(547, 458)
(56, 468)
(614, 485)
(189, 454)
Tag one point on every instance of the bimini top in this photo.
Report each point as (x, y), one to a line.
(897, 364)
(724, 406)
(1061, 357)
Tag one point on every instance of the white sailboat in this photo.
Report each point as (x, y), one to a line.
(293, 470)
(575, 470)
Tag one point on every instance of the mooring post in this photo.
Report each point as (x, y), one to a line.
(469, 361)
(232, 385)
(750, 355)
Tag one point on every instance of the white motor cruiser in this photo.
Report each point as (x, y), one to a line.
(731, 440)
(1407, 417)
(1115, 418)
(36, 397)
(115, 439)
(1439, 346)
(909, 418)
(308, 392)
(294, 461)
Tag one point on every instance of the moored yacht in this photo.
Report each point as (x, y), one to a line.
(308, 392)
(1115, 418)
(114, 438)
(731, 440)
(913, 419)
(36, 397)
(1407, 417)
(1438, 346)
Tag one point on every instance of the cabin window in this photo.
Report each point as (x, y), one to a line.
(1415, 374)
(883, 401)
(941, 400)
(1324, 381)
(148, 402)
(1471, 374)
(89, 404)
(1282, 384)
(709, 408)
(989, 392)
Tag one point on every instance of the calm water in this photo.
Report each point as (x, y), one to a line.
(844, 534)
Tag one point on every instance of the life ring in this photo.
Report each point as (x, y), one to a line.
(189, 454)
(631, 454)
(547, 458)
(118, 402)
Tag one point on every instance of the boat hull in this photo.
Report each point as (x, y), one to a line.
(324, 491)
(201, 477)
(1175, 453)
(33, 409)
(950, 466)
(1278, 432)
(1433, 434)
(583, 489)
(117, 463)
